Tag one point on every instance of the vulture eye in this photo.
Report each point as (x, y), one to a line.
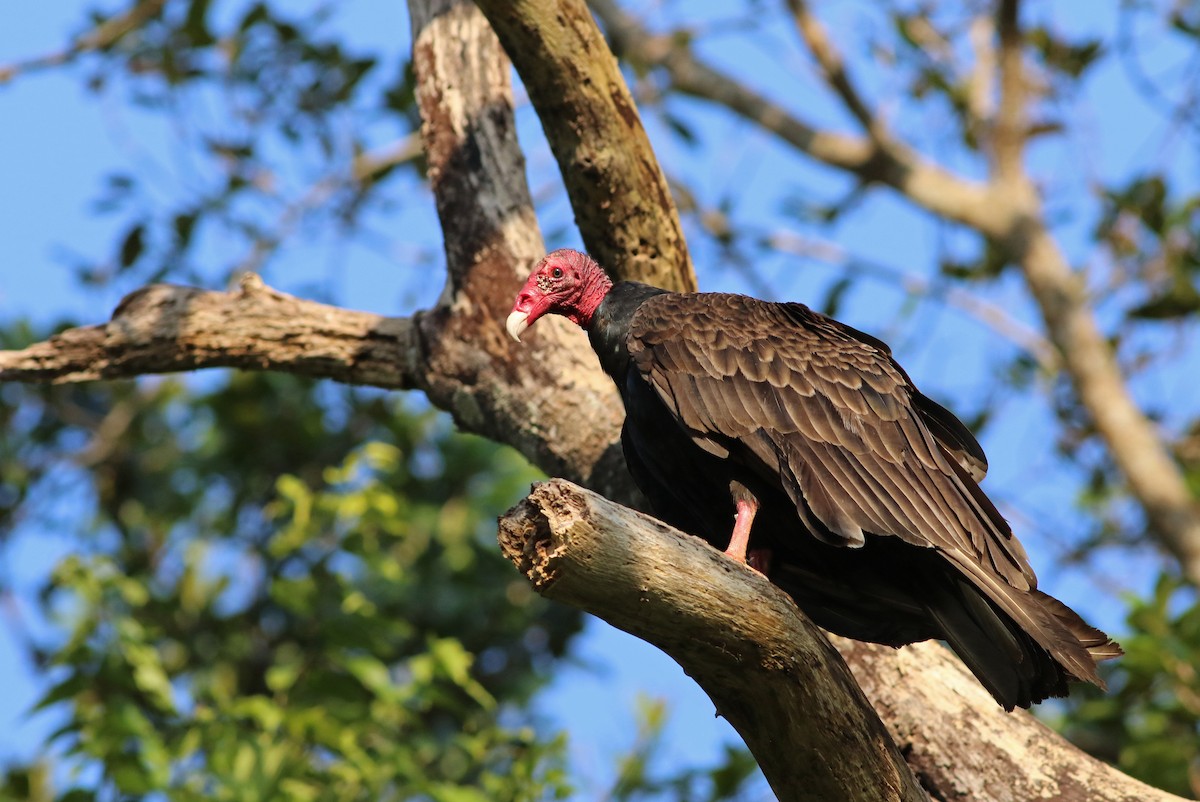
(557, 272)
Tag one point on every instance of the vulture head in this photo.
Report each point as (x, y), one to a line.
(563, 282)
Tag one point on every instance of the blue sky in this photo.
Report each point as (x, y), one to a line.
(59, 142)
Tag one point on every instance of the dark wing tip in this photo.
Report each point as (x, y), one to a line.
(953, 434)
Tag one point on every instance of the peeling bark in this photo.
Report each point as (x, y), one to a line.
(470, 365)
(963, 747)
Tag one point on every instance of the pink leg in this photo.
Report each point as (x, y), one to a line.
(740, 540)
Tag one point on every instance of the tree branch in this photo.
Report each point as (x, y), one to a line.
(834, 69)
(761, 661)
(165, 328)
(531, 398)
(925, 183)
(766, 667)
(622, 201)
(1154, 477)
(106, 34)
(963, 746)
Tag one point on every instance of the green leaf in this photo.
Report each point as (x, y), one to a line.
(132, 245)
(454, 793)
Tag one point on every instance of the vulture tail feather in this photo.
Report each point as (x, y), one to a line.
(1014, 668)
(1023, 647)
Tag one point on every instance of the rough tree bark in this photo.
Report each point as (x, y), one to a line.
(622, 203)
(743, 640)
(548, 398)
(467, 364)
(936, 720)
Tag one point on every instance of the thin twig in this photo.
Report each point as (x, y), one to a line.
(363, 168)
(103, 36)
(981, 91)
(834, 70)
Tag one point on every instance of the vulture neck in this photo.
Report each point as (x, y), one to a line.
(596, 288)
(608, 327)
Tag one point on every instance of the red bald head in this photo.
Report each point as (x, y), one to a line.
(564, 282)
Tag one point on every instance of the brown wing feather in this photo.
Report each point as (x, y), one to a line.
(950, 432)
(800, 398)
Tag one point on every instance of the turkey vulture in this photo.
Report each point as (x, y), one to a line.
(850, 489)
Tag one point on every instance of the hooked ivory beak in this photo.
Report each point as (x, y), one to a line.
(517, 322)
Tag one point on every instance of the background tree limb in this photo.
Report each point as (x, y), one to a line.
(622, 202)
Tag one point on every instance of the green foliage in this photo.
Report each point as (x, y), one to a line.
(347, 632)
(1153, 237)
(1148, 723)
(639, 776)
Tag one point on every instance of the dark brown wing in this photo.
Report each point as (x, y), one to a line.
(948, 430)
(801, 400)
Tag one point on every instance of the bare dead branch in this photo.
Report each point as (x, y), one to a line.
(621, 199)
(164, 328)
(743, 640)
(766, 667)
